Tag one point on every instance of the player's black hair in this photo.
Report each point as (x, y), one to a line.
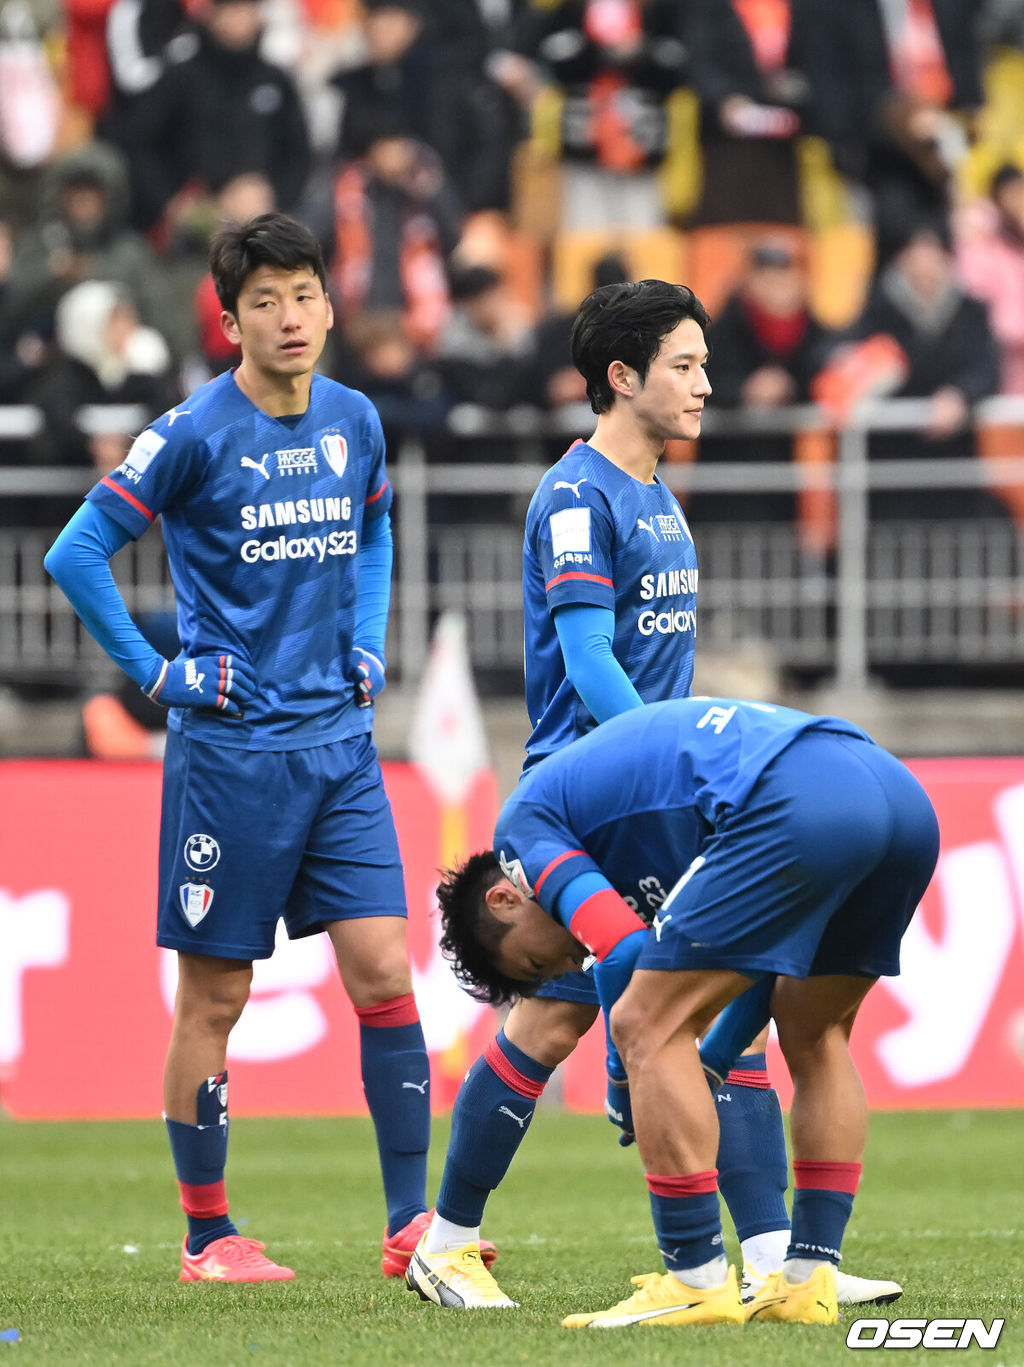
(627, 322)
(471, 933)
(273, 239)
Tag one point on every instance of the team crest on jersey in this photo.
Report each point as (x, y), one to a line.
(513, 871)
(335, 449)
(196, 900)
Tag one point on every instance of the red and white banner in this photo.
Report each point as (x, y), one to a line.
(85, 996)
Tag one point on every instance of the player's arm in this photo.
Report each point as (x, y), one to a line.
(602, 920)
(367, 668)
(736, 1029)
(585, 634)
(79, 561)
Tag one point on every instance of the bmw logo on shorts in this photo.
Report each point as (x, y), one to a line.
(201, 853)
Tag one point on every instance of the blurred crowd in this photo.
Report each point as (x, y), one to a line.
(842, 185)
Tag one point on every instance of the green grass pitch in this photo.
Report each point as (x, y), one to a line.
(89, 1237)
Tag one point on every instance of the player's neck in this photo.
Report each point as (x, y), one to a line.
(279, 396)
(632, 450)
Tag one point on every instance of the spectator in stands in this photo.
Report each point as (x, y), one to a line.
(901, 88)
(242, 199)
(221, 112)
(990, 255)
(424, 67)
(767, 348)
(612, 64)
(951, 359)
(143, 38)
(378, 358)
(397, 219)
(484, 348)
(555, 384)
(484, 357)
(105, 358)
(83, 234)
(21, 349)
(750, 65)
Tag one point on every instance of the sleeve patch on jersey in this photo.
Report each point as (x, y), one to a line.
(570, 532)
(144, 448)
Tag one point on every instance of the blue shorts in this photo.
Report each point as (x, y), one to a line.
(819, 872)
(249, 836)
(571, 987)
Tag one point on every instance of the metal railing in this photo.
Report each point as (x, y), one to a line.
(888, 593)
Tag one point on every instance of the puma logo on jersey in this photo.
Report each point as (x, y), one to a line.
(176, 413)
(519, 1119)
(420, 1087)
(567, 484)
(658, 924)
(260, 465)
(647, 526)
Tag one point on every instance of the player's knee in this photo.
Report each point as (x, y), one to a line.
(548, 1030)
(214, 1010)
(627, 1024)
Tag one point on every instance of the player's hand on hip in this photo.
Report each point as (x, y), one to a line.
(367, 674)
(217, 681)
(619, 1109)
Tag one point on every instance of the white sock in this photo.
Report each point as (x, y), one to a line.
(765, 1253)
(800, 1269)
(443, 1234)
(706, 1276)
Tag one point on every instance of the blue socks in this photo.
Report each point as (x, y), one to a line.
(822, 1202)
(686, 1219)
(753, 1171)
(200, 1155)
(492, 1113)
(396, 1082)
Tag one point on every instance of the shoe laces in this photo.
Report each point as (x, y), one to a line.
(654, 1287)
(249, 1252)
(469, 1263)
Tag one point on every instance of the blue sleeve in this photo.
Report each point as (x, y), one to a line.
(373, 596)
(614, 971)
(79, 561)
(585, 634)
(737, 1027)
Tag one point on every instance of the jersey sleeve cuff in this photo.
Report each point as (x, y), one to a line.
(602, 921)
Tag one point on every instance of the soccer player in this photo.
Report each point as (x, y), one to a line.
(787, 845)
(271, 485)
(609, 597)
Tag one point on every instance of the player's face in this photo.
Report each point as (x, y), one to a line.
(282, 322)
(670, 402)
(535, 947)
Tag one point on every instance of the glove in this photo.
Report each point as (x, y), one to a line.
(206, 681)
(367, 673)
(619, 1110)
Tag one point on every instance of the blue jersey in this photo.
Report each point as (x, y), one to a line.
(637, 798)
(262, 518)
(595, 535)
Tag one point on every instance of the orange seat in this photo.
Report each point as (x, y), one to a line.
(655, 253)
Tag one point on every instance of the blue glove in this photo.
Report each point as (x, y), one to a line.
(619, 1109)
(205, 681)
(367, 673)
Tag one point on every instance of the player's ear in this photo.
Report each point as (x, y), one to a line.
(503, 896)
(622, 378)
(330, 310)
(229, 327)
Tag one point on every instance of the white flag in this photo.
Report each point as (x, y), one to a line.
(447, 739)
